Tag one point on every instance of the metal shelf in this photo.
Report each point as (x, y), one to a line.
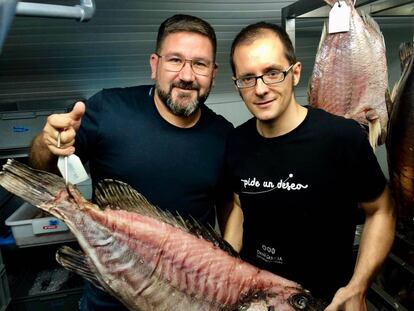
(317, 9)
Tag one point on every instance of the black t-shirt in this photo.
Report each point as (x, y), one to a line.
(123, 137)
(299, 193)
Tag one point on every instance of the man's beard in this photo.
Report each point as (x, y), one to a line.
(174, 106)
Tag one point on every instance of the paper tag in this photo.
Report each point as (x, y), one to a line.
(73, 166)
(339, 17)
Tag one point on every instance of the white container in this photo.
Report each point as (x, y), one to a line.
(40, 231)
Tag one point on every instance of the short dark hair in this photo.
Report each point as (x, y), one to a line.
(250, 33)
(186, 23)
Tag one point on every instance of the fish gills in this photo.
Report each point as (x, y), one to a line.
(350, 76)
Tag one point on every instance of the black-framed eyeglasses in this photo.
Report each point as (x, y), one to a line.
(176, 63)
(271, 77)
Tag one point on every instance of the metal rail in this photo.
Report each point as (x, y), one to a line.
(308, 9)
(7, 11)
(82, 12)
(9, 8)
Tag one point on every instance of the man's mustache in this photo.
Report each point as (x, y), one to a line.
(186, 86)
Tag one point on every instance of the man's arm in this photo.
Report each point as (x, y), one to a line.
(376, 241)
(44, 150)
(233, 231)
(40, 157)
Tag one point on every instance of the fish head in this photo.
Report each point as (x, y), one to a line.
(297, 301)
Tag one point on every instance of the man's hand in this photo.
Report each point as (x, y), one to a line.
(348, 298)
(67, 124)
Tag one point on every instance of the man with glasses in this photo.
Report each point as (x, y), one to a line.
(162, 140)
(298, 176)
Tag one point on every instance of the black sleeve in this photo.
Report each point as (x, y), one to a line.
(230, 158)
(367, 173)
(87, 135)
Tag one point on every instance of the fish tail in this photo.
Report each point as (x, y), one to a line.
(34, 186)
(374, 135)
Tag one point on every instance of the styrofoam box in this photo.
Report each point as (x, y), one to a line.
(33, 232)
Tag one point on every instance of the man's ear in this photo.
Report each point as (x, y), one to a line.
(215, 71)
(154, 65)
(296, 70)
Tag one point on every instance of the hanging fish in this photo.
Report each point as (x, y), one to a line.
(148, 259)
(350, 75)
(400, 139)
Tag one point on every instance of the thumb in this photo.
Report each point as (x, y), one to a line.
(77, 112)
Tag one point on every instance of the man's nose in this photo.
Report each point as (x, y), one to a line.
(187, 73)
(260, 87)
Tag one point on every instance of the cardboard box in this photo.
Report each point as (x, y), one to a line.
(40, 231)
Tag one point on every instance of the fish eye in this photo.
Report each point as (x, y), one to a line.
(300, 301)
(271, 308)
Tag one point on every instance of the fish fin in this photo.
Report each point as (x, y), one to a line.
(407, 61)
(208, 233)
(406, 51)
(76, 261)
(368, 20)
(395, 90)
(374, 132)
(115, 194)
(118, 195)
(323, 35)
(388, 102)
(309, 91)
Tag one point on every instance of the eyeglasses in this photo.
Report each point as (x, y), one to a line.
(271, 77)
(175, 63)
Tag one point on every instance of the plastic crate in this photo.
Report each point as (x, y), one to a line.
(40, 231)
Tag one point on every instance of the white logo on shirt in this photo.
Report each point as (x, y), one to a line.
(269, 254)
(270, 185)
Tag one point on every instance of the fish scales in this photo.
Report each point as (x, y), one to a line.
(400, 140)
(350, 76)
(147, 259)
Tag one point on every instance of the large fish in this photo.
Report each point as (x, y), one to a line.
(350, 76)
(400, 139)
(148, 259)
